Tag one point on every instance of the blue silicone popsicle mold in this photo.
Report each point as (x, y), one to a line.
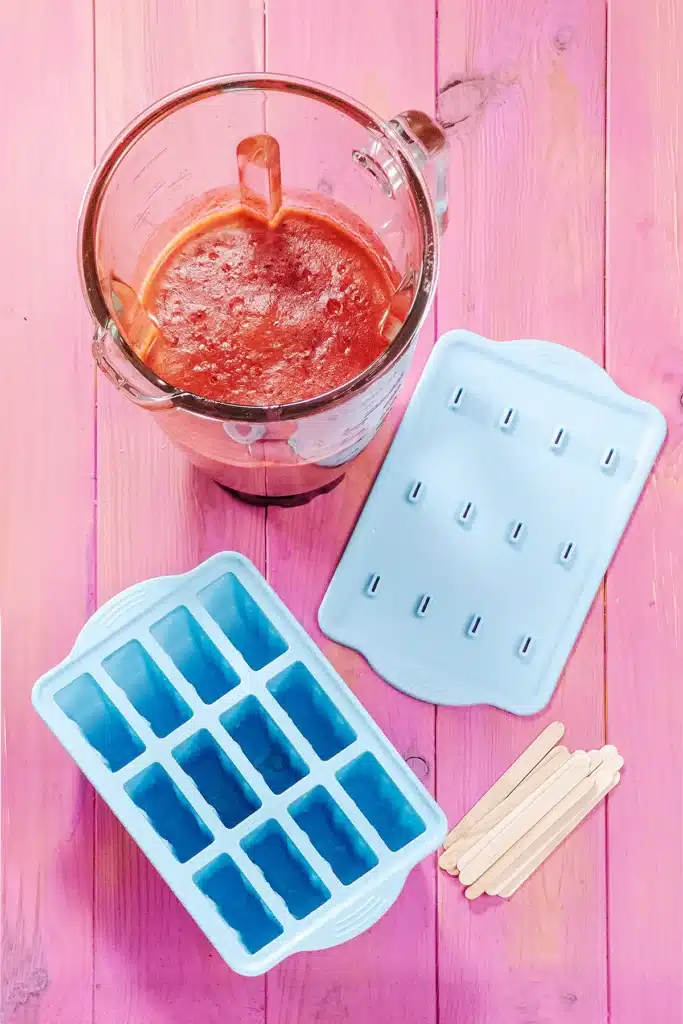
(491, 523)
(240, 762)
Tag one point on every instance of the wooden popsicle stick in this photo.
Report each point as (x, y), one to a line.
(514, 881)
(517, 771)
(611, 759)
(553, 760)
(547, 767)
(488, 882)
(525, 848)
(532, 844)
(504, 835)
(558, 754)
(608, 757)
(504, 823)
(595, 758)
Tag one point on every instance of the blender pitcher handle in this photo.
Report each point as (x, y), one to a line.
(428, 146)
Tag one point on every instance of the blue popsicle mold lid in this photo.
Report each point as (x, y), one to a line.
(491, 523)
(240, 762)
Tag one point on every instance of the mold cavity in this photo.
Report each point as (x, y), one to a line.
(242, 621)
(456, 398)
(195, 655)
(217, 778)
(567, 553)
(422, 606)
(473, 625)
(372, 585)
(147, 688)
(609, 460)
(333, 835)
(467, 513)
(264, 743)
(516, 533)
(285, 869)
(381, 801)
(312, 711)
(168, 812)
(415, 492)
(525, 648)
(559, 440)
(238, 903)
(507, 420)
(100, 721)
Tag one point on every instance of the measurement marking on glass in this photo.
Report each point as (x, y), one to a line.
(372, 585)
(415, 492)
(474, 624)
(507, 420)
(422, 606)
(456, 398)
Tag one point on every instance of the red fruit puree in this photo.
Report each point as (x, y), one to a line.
(259, 314)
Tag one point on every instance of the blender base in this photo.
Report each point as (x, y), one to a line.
(282, 500)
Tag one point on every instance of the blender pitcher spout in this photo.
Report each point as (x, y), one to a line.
(116, 367)
(427, 144)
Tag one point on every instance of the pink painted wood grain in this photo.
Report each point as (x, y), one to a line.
(90, 933)
(523, 257)
(645, 586)
(46, 504)
(384, 56)
(157, 516)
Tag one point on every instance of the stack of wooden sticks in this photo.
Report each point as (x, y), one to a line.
(527, 813)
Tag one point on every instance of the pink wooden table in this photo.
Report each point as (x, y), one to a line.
(567, 172)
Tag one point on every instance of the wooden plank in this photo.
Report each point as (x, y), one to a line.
(645, 586)
(46, 508)
(386, 60)
(156, 516)
(523, 257)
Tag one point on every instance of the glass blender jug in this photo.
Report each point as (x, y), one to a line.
(206, 149)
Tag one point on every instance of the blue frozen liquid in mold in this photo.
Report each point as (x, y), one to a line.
(264, 743)
(195, 655)
(238, 903)
(381, 801)
(217, 778)
(285, 869)
(147, 688)
(100, 721)
(333, 835)
(312, 711)
(242, 621)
